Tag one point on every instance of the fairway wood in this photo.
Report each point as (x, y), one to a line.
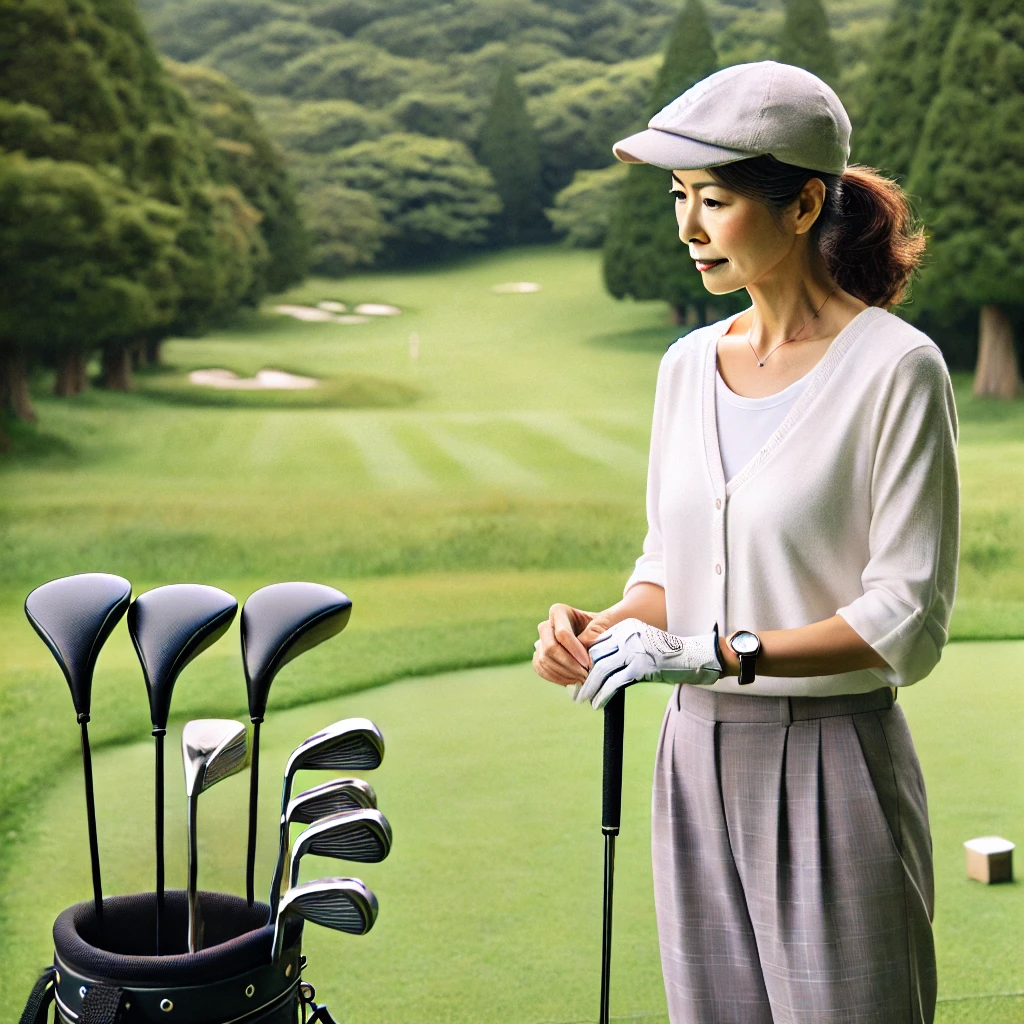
(74, 616)
(211, 750)
(170, 626)
(279, 623)
(344, 904)
(363, 836)
(351, 744)
(330, 798)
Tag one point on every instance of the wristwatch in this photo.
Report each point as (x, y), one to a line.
(747, 646)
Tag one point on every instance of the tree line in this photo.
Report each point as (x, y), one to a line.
(138, 199)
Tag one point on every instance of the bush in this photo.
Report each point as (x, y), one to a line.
(583, 209)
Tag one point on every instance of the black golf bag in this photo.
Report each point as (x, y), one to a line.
(108, 974)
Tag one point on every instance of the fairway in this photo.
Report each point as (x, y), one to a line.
(453, 497)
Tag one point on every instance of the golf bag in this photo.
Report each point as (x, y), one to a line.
(106, 973)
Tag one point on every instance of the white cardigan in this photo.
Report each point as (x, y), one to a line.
(852, 505)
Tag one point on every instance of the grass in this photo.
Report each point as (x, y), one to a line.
(501, 470)
(490, 900)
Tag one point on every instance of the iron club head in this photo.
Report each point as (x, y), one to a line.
(328, 798)
(363, 835)
(344, 904)
(211, 750)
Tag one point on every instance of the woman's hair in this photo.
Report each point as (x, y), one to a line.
(866, 232)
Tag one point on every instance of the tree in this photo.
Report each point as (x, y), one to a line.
(890, 128)
(346, 227)
(643, 256)
(969, 174)
(434, 197)
(508, 149)
(806, 40)
(583, 208)
(242, 155)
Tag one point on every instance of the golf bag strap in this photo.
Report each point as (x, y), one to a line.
(102, 1004)
(320, 1014)
(39, 1001)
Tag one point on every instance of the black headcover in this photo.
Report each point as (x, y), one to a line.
(74, 616)
(279, 623)
(170, 626)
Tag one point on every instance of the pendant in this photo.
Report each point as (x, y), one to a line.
(760, 364)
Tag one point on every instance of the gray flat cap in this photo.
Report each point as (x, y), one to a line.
(743, 111)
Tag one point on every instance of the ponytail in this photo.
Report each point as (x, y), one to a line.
(866, 232)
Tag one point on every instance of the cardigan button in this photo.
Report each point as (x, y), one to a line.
(718, 568)
(718, 502)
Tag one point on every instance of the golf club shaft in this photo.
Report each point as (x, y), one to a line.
(611, 814)
(194, 936)
(254, 786)
(158, 801)
(90, 811)
(282, 848)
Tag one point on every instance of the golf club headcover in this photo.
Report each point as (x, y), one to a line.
(74, 616)
(170, 626)
(279, 623)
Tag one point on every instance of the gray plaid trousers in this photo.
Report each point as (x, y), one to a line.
(792, 861)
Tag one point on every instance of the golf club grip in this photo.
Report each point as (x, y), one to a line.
(611, 804)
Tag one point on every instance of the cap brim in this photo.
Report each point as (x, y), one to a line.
(673, 152)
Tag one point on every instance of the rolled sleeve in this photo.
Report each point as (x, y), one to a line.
(909, 581)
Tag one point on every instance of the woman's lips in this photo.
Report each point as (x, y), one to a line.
(703, 265)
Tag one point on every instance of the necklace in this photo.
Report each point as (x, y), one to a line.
(761, 362)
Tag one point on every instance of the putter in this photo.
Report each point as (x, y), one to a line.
(279, 623)
(351, 744)
(211, 750)
(74, 616)
(363, 835)
(344, 904)
(611, 814)
(169, 627)
(330, 798)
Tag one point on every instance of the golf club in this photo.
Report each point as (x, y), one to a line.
(362, 835)
(170, 626)
(211, 750)
(74, 616)
(351, 744)
(330, 798)
(611, 814)
(344, 904)
(279, 623)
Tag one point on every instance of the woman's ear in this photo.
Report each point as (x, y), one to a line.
(809, 204)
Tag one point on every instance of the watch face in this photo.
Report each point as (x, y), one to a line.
(744, 643)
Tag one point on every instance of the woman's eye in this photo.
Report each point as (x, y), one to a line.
(714, 203)
(677, 195)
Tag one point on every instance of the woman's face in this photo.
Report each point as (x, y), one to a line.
(735, 241)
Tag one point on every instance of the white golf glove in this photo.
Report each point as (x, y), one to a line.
(634, 652)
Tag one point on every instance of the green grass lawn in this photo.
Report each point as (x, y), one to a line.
(490, 900)
(453, 498)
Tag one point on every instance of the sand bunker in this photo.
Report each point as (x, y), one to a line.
(331, 306)
(305, 313)
(377, 309)
(517, 286)
(265, 380)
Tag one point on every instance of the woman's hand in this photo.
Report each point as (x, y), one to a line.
(560, 654)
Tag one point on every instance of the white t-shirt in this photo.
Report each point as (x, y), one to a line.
(852, 506)
(745, 424)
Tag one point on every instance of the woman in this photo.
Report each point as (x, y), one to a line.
(799, 567)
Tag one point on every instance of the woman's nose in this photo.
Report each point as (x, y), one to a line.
(690, 229)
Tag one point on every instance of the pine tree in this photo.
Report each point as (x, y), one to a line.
(890, 127)
(643, 257)
(806, 40)
(969, 174)
(508, 148)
